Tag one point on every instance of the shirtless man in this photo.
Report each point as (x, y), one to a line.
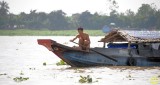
(84, 40)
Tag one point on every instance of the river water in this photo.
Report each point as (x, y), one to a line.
(21, 56)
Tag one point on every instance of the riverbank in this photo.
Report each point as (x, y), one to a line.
(29, 32)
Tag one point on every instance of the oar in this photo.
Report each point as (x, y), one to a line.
(100, 53)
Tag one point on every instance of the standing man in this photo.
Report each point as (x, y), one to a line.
(84, 40)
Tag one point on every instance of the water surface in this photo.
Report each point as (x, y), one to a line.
(21, 56)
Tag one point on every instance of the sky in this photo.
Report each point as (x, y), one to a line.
(74, 6)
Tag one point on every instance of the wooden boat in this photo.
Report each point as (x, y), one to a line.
(133, 49)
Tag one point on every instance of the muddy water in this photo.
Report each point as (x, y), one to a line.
(21, 56)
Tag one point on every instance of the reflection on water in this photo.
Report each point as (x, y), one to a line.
(21, 56)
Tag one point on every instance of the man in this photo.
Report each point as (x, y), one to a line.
(84, 40)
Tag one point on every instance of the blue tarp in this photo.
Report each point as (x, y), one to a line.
(121, 45)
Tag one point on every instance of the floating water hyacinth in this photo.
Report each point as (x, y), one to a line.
(3, 74)
(84, 79)
(44, 64)
(61, 62)
(20, 79)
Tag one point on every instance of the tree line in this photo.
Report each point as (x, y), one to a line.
(147, 17)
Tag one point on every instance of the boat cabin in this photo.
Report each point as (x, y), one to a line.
(147, 43)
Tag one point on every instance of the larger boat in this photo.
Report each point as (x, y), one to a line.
(125, 48)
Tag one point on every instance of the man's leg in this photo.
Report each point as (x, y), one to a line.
(87, 45)
(81, 44)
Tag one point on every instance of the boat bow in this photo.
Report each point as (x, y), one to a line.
(56, 48)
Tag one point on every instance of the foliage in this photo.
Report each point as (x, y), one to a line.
(84, 79)
(147, 17)
(57, 20)
(61, 62)
(20, 79)
(21, 73)
(4, 8)
(44, 64)
(3, 14)
(3, 74)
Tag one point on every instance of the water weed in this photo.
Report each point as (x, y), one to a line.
(21, 73)
(20, 79)
(61, 62)
(3, 74)
(84, 79)
(44, 64)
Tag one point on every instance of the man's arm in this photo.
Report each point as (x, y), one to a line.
(88, 38)
(74, 38)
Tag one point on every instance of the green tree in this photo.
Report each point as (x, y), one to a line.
(85, 20)
(32, 19)
(14, 21)
(42, 20)
(146, 16)
(3, 14)
(157, 15)
(57, 20)
(130, 18)
(75, 20)
(126, 20)
(98, 21)
(4, 8)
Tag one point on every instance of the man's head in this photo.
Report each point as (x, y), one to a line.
(80, 30)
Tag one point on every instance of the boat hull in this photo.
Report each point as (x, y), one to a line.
(80, 59)
(110, 57)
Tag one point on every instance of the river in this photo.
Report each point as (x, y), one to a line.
(22, 57)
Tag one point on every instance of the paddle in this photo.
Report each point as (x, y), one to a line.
(100, 53)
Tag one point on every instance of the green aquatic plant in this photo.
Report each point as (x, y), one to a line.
(44, 64)
(32, 68)
(129, 76)
(20, 79)
(84, 79)
(3, 74)
(61, 62)
(21, 73)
